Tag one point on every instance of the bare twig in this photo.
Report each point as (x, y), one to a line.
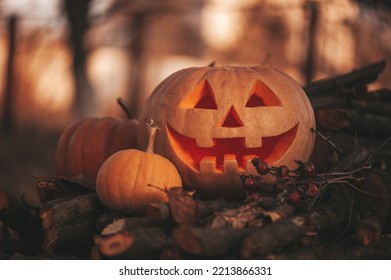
(327, 139)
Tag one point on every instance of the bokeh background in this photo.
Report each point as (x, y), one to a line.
(63, 60)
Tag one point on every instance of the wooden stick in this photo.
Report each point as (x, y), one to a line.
(272, 237)
(362, 106)
(2, 231)
(280, 212)
(361, 76)
(377, 250)
(114, 244)
(208, 242)
(63, 212)
(140, 243)
(208, 207)
(61, 188)
(345, 249)
(382, 95)
(185, 210)
(125, 238)
(333, 216)
(239, 217)
(105, 219)
(183, 207)
(368, 230)
(366, 125)
(129, 224)
(214, 242)
(171, 253)
(20, 217)
(77, 231)
(159, 211)
(372, 212)
(353, 160)
(329, 216)
(11, 242)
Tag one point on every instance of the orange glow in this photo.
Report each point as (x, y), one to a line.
(43, 86)
(273, 148)
(202, 98)
(108, 70)
(231, 119)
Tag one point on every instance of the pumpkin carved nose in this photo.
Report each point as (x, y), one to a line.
(231, 119)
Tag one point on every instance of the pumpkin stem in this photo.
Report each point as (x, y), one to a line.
(122, 103)
(212, 64)
(158, 188)
(152, 129)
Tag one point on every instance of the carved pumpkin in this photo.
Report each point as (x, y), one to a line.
(131, 179)
(86, 144)
(214, 120)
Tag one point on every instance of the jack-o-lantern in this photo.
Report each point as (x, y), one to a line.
(215, 120)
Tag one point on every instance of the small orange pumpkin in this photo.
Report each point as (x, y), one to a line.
(215, 120)
(131, 179)
(86, 144)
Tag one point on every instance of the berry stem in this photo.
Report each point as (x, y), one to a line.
(344, 173)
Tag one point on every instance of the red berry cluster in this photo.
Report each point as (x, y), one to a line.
(291, 186)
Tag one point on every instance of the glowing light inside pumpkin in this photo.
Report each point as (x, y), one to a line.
(232, 152)
(202, 97)
(215, 159)
(262, 95)
(232, 119)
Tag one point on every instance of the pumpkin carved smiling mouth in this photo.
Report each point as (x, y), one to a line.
(229, 153)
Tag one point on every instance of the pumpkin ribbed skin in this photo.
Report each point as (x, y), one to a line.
(132, 179)
(86, 144)
(214, 120)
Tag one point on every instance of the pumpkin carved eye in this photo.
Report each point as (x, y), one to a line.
(202, 97)
(262, 95)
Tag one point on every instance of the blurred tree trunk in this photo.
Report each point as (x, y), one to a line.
(8, 117)
(136, 52)
(77, 12)
(313, 18)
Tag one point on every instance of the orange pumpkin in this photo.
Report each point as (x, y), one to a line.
(86, 144)
(214, 120)
(131, 179)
